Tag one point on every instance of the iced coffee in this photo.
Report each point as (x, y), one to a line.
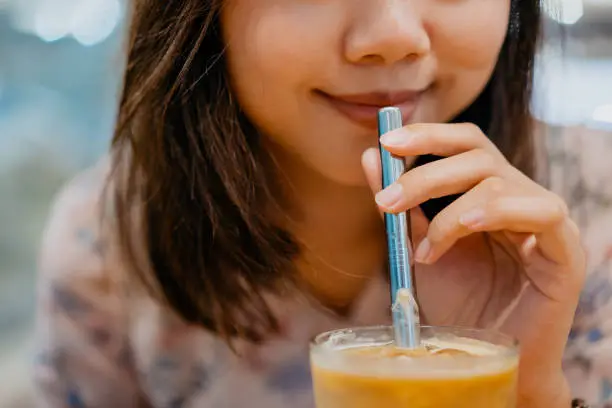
(458, 368)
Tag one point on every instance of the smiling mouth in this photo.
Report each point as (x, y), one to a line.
(362, 109)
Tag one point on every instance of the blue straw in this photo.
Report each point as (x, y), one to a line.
(397, 226)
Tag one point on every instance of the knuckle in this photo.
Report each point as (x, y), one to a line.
(419, 182)
(574, 228)
(489, 162)
(435, 235)
(558, 209)
(496, 185)
(417, 129)
(495, 209)
(440, 229)
(471, 128)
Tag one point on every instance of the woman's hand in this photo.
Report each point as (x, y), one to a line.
(504, 254)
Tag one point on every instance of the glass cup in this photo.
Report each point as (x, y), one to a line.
(458, 368)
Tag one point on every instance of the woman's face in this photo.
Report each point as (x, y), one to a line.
(311, 74)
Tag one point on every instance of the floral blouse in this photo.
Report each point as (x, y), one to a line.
(101, 347)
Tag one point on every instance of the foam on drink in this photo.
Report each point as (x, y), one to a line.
(459, 368)
(438, 357)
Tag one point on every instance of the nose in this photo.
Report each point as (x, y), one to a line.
(386, 32)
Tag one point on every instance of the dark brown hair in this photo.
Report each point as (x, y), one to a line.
(191, 179)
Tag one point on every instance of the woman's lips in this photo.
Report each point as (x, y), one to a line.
(363, 108)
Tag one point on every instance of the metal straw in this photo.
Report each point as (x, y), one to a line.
(401, 266)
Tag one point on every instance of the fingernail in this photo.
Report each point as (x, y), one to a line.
(472, 218)
(389, 196)
(423, 251)
(394, 139)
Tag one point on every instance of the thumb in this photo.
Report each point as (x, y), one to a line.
(419, 225)
(370, 161)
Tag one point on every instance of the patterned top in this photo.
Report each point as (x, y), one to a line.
(99, 346)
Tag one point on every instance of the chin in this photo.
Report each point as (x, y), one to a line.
(350, 175)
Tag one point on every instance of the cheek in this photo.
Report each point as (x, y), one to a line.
(255, 63)
(466, 40)
(272, 48)
(274, 56)
(471, 38)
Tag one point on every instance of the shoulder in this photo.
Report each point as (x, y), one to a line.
(81, 199)
(83, 354)
(75, 226)
(581, 172)
(76, 255)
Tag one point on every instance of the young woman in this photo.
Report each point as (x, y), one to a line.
(242, 213)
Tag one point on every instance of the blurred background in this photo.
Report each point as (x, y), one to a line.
(60, 66)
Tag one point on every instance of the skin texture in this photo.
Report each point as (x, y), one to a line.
(524, 222)
(505, 254)
(447, 47)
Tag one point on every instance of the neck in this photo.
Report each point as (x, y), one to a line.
(340, 231)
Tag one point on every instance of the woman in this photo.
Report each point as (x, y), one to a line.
(241, 218)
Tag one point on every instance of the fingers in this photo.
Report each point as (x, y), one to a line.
(498, 198)
(472, 158)
(437, 139)
(518, 214)
(544, 217)
(446, 229)
(500, 205)
(562, 245)
(451, 175)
